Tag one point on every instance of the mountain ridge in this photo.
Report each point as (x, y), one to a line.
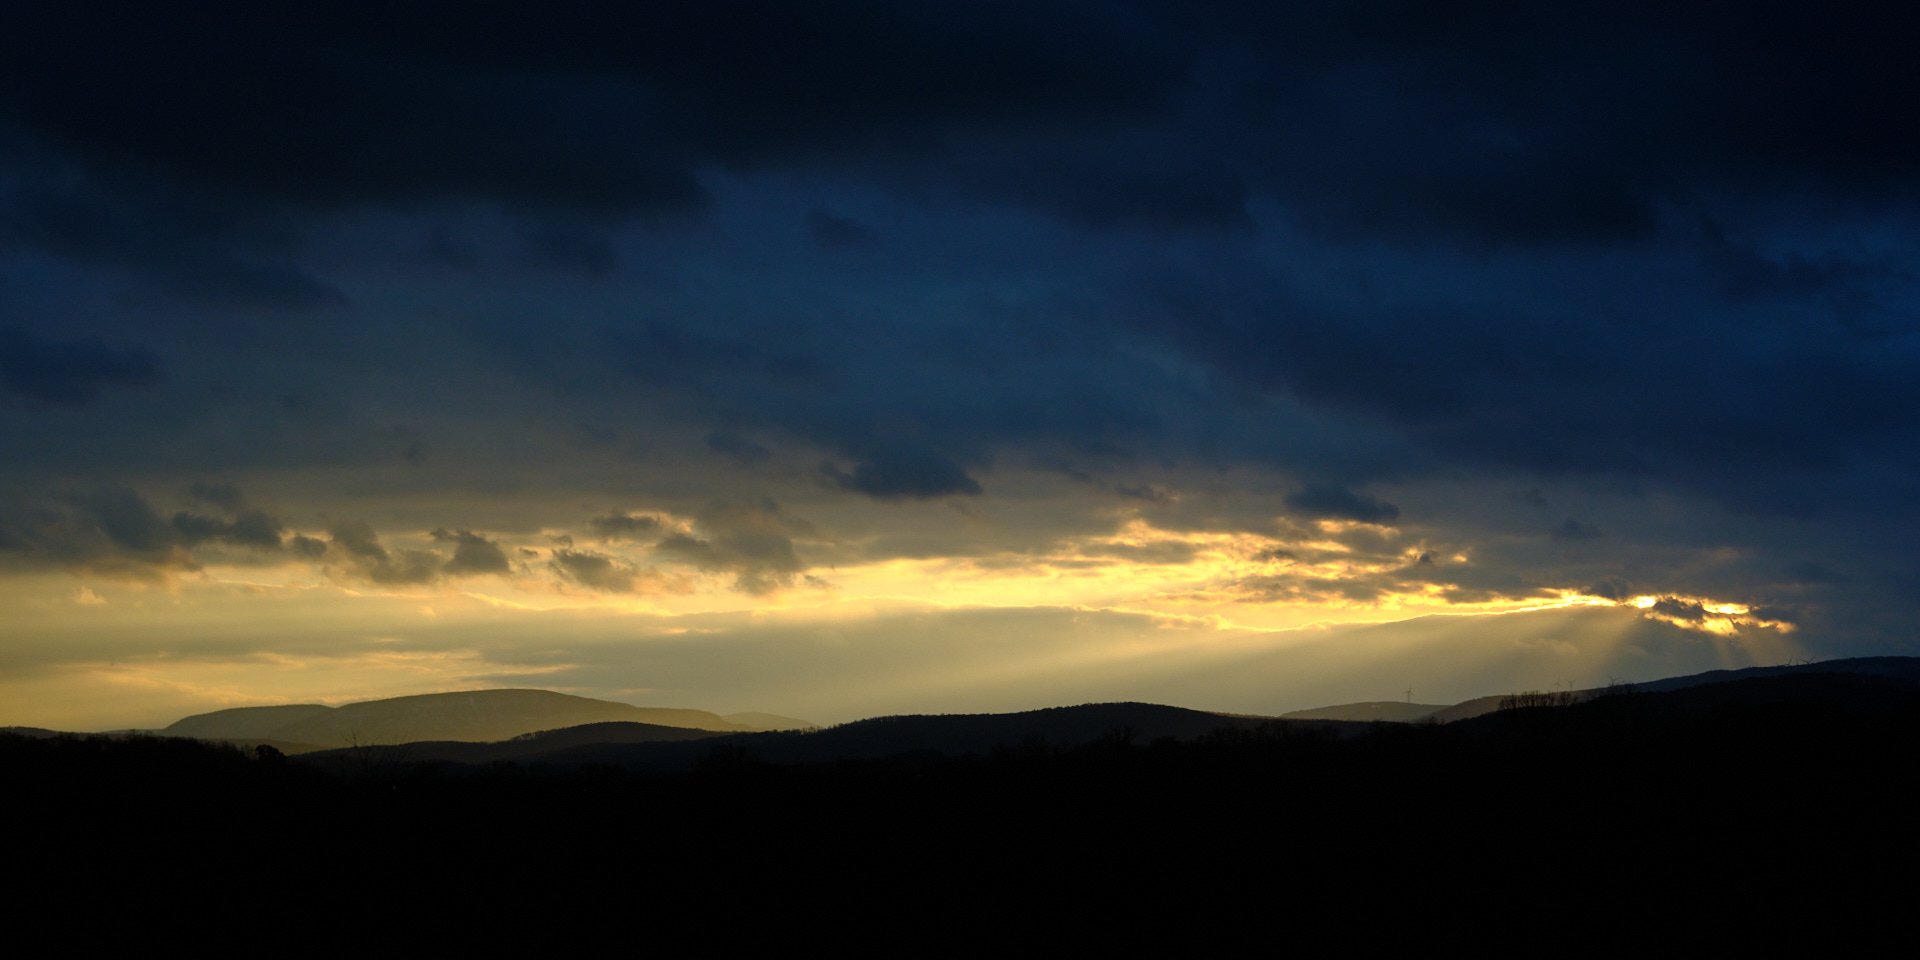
(476, 716)
(1902, 668)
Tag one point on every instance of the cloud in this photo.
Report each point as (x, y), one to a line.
(620, 525)
(1573, 531)
(252, 528)
(660, 353)
(570, 246)
(126, 518)
(1676, 608)
(472, 554)
(207, 249)
(1146, 491)
(752, 541)
(902, 472)
(1516, 250)
(359, 546)
(116, 531)
(109, 531)
(580, 105)
(594, 571)
(1543, 123)
(69, 371)
(830, 231)
(740, 448)
(1617, 589)
(223, 495)
(611, 574)
(1338, 502)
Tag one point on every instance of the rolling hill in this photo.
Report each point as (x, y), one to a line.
(770, 721)
(546, 728)
(878, 738)
(1899, 668)
(244, 723)
(530, 748)
(1370, 710)
(474, 716)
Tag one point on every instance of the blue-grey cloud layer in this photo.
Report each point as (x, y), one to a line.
(1651, 248)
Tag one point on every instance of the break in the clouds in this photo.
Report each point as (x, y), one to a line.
(1268, 313)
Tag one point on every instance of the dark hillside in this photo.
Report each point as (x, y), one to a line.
(479, 716)
(1744, 712)
(1907, 668)
(1902, 668)
(244, 723)
(1399, 711)
(1719, 799)
(935, 736)
(527, 748)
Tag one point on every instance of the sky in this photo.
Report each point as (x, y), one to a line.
(867, 358)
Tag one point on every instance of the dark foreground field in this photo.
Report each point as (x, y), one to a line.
(1743, 807)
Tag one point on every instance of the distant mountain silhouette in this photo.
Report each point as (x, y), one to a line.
(540, 727)
(769, 721)
(931, 736)
(643, 746)
(473, 716)
(241, 723)
(1783, 697)
(1904, 668)
(1390, 710)
(1752, 783)
(532, 747)
(1465, 710)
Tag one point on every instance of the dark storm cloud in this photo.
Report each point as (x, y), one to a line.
(1665, 380)
(36, 532)
(201, 245)
(472, 554)
(127, 520)
(901, 471)
(1612, 588)
(1339, 503)
(1679, 609)
(357, 548)
(118, 532)
(740, 448)
(598, 106)
(223, 495)
(356, 543)
(1634, 247)
(662, 353)
(752, 541)
(1503, 121)
(594, 571)
(1144, 491)
(69, 371)
(1573, 530)
(570, 247)
(202, 136)
(829, 230)
(252, 528)
(620, 525)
